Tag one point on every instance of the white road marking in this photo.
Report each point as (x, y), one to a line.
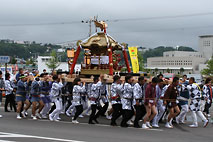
(6, 141)
(10, 135)
(101, 125)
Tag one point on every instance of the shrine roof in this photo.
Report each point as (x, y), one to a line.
(100, 40)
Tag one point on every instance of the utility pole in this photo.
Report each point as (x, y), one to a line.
(90, 25)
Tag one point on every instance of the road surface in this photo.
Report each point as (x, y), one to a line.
(28, 130)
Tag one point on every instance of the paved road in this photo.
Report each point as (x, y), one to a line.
(28, 130)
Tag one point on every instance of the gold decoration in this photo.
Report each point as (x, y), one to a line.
(78, 42)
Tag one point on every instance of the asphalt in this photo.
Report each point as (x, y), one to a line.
(28, 130)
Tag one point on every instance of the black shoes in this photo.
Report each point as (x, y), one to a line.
(113, 124)
(124, 125)
(96, 121)
(90, 122)
(136, 126)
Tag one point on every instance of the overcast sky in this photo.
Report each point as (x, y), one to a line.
(148, 33)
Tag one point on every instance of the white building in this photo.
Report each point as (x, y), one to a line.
(206, 46)
(61, 50)
(19, 42)
(182, 54)
(175, 60)
(42, 60)
(191, 62)
(202, 66)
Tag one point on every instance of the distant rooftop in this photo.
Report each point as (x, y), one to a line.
(180, 52)
(205, 36)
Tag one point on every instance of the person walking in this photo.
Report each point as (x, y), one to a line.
(78, 90)
(116, 93)
(170, 97)
(138, 93)
(55, 93)
(35, 93)
(9, 93)
(207, 94)
(195, 96)
(127, 100)
(150, 103)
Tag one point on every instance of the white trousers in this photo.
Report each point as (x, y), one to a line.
(160, 110)
(184, 111)
(202, 105)
(46, 109)
(85, 107)
(194, 116)
(71, 107)
(88, 109)
(59, 107)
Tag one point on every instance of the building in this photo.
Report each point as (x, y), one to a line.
(42, 60)
(191, 62)
(206, 46)
(173, 61)
(182, 54)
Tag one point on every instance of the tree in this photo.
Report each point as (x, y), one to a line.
(23, 50)
(158, 51)
(184, 48)
(181, 70)
(168, 70)
(140, 61)
(209, 69)
(53, 62)
(124, 69)
(13, 60)
(156, 70)
(30, 61)
(147, 70)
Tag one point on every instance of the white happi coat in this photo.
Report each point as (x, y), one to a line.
(195, 96)
(104, 93)
(95, 93)
(77, 91)
(116, 92)
(56, 90)
(207, 94)
(127, 98)
(138, 93)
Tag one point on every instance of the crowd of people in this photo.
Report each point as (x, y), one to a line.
(147, 100)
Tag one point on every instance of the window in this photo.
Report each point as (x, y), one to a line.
(206, 43)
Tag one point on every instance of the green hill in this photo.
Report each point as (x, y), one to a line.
(158, 51)
(24, 50)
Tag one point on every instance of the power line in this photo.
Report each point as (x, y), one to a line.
(71, 41)
(166, 29)
(162, 17)
(153, 30)
(114, 20)
(41, 24)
